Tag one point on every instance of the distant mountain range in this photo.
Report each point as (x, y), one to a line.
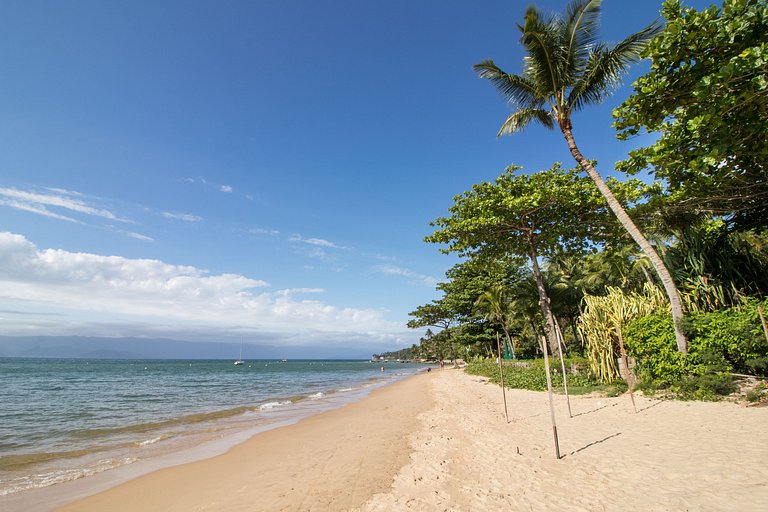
(141, 348)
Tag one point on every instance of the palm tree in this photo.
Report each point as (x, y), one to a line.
(492, 301)
(566, 69)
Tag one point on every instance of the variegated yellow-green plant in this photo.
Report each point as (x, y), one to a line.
(604, 317)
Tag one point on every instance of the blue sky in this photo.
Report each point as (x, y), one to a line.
(208, 170)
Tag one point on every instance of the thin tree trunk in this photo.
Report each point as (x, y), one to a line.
(572, 319)
(661, 269)
(648, 278)
(549, 326)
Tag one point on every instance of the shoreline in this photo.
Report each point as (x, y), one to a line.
(439, 441)
(324, 448)
(114, 458)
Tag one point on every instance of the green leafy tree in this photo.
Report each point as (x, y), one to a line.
(529, 216)
(707, 95)
(566, 69)
(436, 314)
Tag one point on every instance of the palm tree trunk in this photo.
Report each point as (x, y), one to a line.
(637, 236)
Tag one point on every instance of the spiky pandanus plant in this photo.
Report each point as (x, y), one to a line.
(604, 318)
(565, 69)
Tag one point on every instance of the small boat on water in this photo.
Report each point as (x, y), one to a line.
(240, 359)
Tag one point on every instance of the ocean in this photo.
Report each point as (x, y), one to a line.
(66, 419)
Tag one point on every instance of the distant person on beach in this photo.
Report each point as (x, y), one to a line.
(382, 368)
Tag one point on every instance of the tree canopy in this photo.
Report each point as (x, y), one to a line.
(531, 216)
(707, 94)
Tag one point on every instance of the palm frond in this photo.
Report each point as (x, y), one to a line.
(543, 64)
(515, 88)
(605, 66)
(580, 31)
(520, 119)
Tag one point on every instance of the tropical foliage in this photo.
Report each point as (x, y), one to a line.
(604, 262)
(566, 69)
(707, 96)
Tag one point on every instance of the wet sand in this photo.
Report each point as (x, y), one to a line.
(332, 461)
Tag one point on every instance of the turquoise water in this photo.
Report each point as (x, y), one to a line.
(64, 419)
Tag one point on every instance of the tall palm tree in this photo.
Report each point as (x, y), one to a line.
(566, 69)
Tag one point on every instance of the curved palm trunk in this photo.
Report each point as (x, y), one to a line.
(637, 236)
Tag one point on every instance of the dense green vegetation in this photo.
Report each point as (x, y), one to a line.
(530, 375)
(667, 278)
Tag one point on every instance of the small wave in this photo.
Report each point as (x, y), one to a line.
(65, 475)
(316, 396)
(172, 422)
(344, 390)
(154, 440)
(271, 405)
(18, 462)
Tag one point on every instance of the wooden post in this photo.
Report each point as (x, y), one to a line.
(501, 376)
(551, 404)
(630, 380)
(560, 345)
(762, 319)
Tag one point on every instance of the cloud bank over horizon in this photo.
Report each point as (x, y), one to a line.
(56, 292)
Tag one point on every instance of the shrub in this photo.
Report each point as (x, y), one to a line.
(531, 375)
(651, 341)
(722, 342)
(731, 340)
(704, 387)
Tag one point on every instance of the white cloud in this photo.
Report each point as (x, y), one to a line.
(319, 242)
(295, 291)
(62, 292)
(139, 236)
(263, 231)
(226, 188)
(188, 217)
(399, 271)
(40, 203)
(33, 208)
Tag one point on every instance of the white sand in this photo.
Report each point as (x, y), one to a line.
(669, 456)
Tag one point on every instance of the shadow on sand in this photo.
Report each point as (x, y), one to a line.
(593, 444)
(594, 410)
(654, 404)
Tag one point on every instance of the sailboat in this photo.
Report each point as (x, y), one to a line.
(240, 359)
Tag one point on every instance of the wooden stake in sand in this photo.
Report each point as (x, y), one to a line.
(501, 376)
(551, 403)
(560, 345)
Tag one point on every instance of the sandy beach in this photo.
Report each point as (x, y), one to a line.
(439, 441)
